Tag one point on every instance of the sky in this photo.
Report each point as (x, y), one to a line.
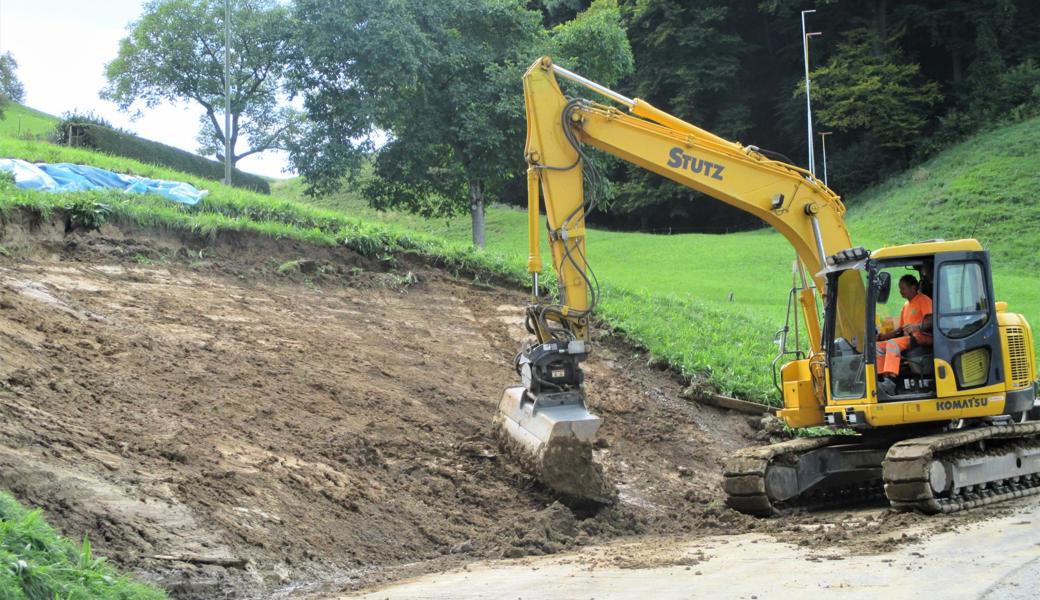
(62, 47)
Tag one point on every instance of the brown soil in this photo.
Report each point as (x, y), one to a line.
(227, 423)
(182, 399)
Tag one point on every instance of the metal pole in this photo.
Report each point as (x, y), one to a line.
(823, 143)
(227, 92)
(808, 104)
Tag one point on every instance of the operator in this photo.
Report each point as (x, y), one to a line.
(911, 326)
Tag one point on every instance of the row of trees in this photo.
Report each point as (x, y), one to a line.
(439, 83)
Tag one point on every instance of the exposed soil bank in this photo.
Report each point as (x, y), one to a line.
(248, 417)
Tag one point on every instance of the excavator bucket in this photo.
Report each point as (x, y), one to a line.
(553, 441)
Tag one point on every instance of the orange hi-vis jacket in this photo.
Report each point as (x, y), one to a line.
(888, 352)
(913, 313)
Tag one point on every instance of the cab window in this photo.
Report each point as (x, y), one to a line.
(963, 302)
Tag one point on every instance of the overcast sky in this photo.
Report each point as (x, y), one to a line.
(62, 47)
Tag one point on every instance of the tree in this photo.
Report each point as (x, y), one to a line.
(11, 88)
(175, 52)
(860, 90)
(442, 79)
(690, 56)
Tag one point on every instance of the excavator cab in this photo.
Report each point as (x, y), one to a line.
(951, 433)
(970, 359)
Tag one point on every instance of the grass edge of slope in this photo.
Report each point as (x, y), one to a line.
(36, 562)
(626, 313)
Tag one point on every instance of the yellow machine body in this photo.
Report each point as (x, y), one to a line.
(802, 209)
(809, 401)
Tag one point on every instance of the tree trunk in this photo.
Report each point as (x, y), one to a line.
(880, 26)
(958, 72)
(476, 211)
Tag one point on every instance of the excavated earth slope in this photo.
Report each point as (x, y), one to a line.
(247, 417)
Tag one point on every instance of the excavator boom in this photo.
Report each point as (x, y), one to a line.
(979, 370)
(547, 416)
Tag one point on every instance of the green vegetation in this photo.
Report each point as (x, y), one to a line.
(11, 88)
(175, 52)
(895, 82)
(26, 124)
(120, 143)
(23, 122)
(227, 209)
(452, 101)
(37, 564)
(985, 188)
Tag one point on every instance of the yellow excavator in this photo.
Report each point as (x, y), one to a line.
(951, 430)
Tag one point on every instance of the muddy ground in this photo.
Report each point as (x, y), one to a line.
(245, 417)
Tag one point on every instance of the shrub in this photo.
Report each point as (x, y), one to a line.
(96, 133)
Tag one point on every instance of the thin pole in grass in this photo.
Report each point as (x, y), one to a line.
(227, 92)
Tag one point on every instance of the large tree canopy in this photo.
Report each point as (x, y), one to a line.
(863, 90)
(175, 52)
(442, 80)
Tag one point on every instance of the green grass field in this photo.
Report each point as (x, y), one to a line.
(24, 122)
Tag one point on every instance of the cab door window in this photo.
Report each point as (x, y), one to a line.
(963, 302)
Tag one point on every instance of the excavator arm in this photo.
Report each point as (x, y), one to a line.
(546, 418)
(790, 199)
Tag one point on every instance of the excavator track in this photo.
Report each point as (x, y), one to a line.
(959, 470)
(804, 474)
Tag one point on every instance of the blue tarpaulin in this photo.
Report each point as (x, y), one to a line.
(65, 177)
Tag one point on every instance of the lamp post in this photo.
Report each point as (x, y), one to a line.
(823, 142)
(808, 102)
(227, 92)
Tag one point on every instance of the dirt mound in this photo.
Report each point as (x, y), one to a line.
(246, 417)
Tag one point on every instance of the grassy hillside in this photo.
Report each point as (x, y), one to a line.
(23, 122)
(635, 261)
(987, 187)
